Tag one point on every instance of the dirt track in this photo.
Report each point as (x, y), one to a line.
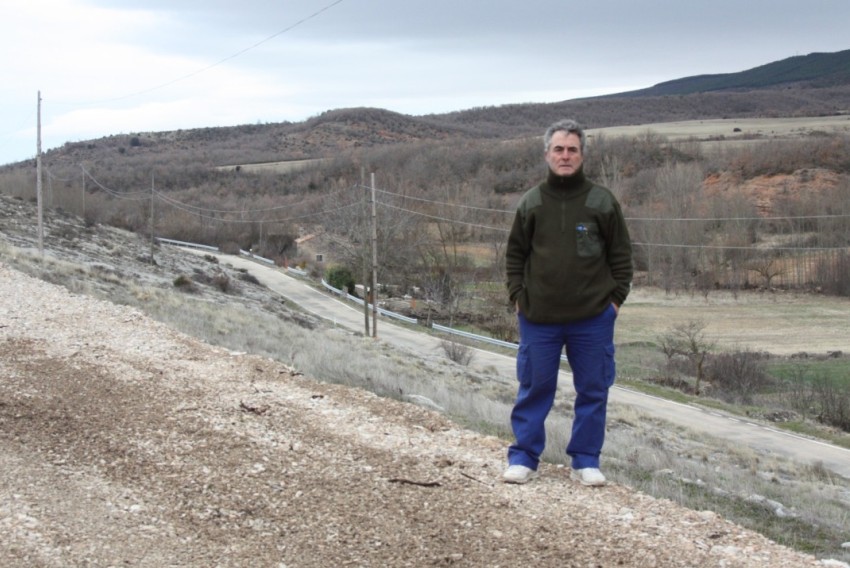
(123, 442)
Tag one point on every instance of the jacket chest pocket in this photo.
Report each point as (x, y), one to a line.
(588, 240)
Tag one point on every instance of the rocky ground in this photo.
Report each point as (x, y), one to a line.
(123, 442)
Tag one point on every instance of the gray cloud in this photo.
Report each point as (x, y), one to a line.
(251, 60)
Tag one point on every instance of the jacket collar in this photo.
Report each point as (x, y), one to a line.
(566, 183)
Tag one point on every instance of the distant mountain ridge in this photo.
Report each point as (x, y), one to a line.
(815, 70)
(817, 84)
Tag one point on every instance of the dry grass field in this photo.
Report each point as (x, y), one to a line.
(270, 167)
(734, 128)
(781, 323)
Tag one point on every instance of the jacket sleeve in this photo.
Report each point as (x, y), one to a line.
(516, 254)
(619, 254)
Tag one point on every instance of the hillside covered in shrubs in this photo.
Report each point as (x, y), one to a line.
(733, 212)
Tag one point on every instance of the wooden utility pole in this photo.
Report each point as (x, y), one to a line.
(366, 278)
(374, 263)
(152, 235)
(38, 181)
(83, 169)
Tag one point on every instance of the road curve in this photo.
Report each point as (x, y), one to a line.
(760, 437)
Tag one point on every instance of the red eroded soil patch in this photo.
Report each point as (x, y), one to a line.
(768, 192)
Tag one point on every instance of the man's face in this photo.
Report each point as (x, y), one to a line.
(564, 153)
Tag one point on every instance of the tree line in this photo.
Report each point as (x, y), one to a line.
(444, 207)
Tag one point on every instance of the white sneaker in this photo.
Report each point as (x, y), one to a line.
(518, 474)
(588, 476)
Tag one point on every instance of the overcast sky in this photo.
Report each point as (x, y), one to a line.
(119, 66)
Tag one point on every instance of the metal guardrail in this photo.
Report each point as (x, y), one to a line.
(360, 301)
(474, 336)
(256, 256)
(185, 244)
(216, 249)
(434, 326)
(483, 338)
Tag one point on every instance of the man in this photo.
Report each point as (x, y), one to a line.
(569, 269)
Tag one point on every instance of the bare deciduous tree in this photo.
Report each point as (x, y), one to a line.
(688, 340)
(767, 266)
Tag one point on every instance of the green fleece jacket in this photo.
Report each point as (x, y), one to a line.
(569, 254)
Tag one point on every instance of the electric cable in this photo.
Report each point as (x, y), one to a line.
(208, 67)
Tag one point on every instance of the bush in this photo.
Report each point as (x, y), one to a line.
(737, 376)
(249, 278)
(222, 282)
(833, 401)
(230, 248)
(833, 273)
(822, 395)
(340, 278)
(185, 284)
(503, 327)
(458, 352)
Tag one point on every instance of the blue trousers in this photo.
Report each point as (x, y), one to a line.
(590, 353)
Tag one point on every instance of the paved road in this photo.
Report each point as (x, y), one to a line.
(757, 436)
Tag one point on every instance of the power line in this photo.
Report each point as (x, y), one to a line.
(437, 218)
(7, 137)
(52, 176)
(217, 63)
(131, 195)
(203, 213)
(636, 219)
(245, 211)
(715, 219)
(208, 213)
(445, 203)
(736, 247)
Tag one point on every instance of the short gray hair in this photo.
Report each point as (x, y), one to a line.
(566, 125)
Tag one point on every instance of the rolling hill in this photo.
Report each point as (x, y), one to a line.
(817, 84)
(815, 70)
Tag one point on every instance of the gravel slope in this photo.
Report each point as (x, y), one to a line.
(123, 442)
